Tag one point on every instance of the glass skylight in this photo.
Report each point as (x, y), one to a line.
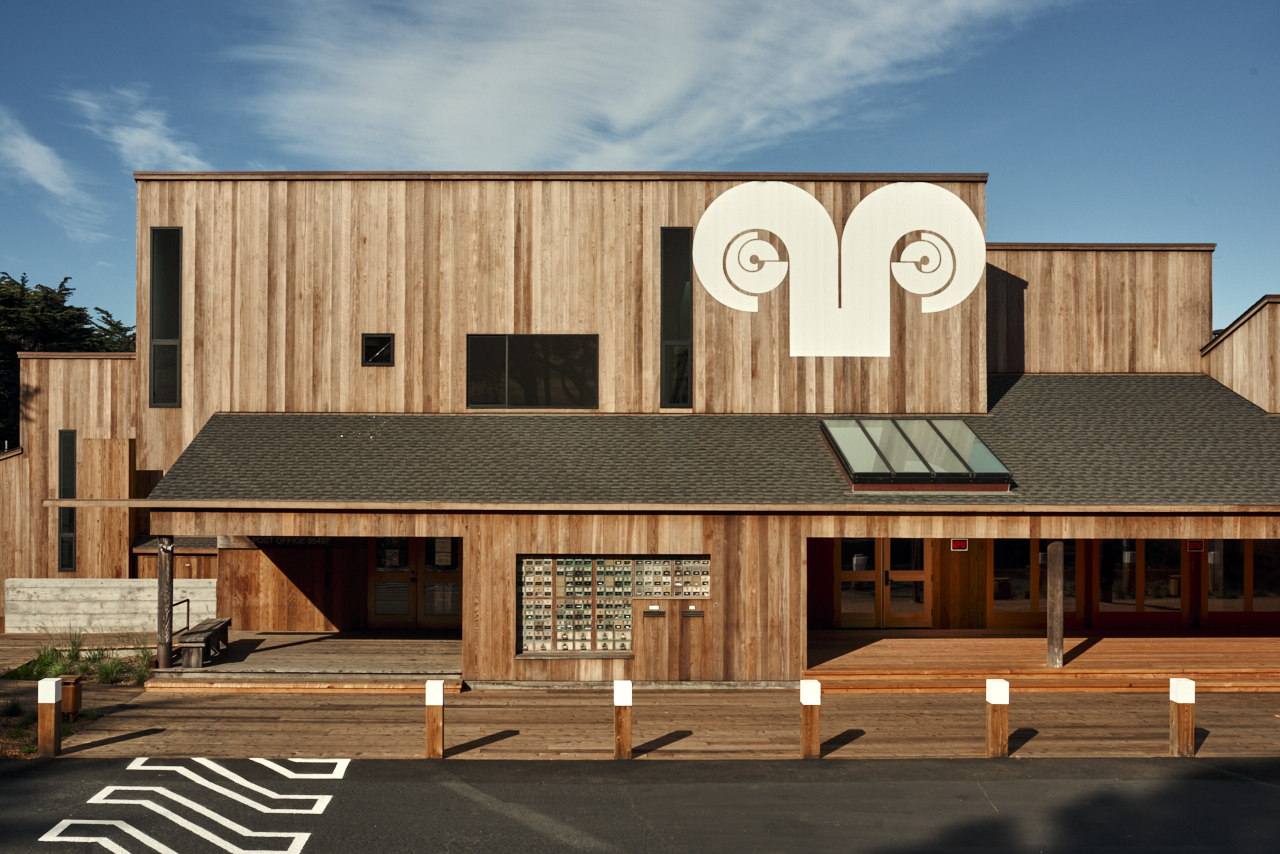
(909, 451)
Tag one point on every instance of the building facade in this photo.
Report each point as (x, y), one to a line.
(654, 426)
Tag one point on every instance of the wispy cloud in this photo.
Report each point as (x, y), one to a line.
(139, 132)
(30, 161)
(619, 84)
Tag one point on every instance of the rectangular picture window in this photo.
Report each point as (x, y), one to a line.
(166, 317)
(533, 371)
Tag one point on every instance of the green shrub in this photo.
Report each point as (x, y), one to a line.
(68, 729)
(75, 644)
(109, 670)
(27, 720)
(91, 715)
(12, 708)
(18, 732)
(140, 667)
(29, 747)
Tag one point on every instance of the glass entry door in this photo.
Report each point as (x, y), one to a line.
(884, 583)
(415, 582)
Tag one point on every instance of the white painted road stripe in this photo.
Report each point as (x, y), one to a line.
(317, 807)
(339, 768)
(55, 836)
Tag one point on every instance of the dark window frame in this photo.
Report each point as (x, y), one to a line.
(156, 343)
(506, 372)
(391, 346)
(67, 490)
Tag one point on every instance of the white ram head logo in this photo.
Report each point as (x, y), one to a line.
(839, 295)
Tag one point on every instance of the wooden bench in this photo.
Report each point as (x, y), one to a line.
(208, 634)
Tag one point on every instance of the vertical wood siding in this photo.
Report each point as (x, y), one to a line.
(280, 278)
(1092, 310)
(1247, 360)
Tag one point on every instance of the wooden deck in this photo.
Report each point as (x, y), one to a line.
(960, 662)
(668, 724)
(291, 657)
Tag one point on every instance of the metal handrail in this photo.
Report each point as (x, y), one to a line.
(187, 627)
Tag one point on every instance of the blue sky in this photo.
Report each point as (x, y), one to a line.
(1124, 121)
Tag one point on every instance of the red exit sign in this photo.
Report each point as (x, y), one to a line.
(959, 545)
(1195, 545)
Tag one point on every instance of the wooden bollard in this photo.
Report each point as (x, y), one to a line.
(997, 717)
(811, 719)
(1182, 717)
(49, 696)
(71, 694)
(435, 718)
(622, 719)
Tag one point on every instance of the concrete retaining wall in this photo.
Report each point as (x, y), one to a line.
(100, 604)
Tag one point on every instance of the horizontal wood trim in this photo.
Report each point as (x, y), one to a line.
(1258, 306)
(1104, 247)
(140, 550)
(34, 355)
(649, 509)
(12, 452)
(968, 177)
(553, 656)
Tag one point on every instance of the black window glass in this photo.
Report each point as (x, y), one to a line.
(164, 375)
(558, 371)
(677, 318)
(377, 350)
(677, 284)
(67, 551)
(677, 375)
(487, 370)
(66, 463)
(166, 283)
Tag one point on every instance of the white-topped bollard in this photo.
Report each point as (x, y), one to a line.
(435, 718)
(49, 697)
(997, 717)
(811, 719)
(622, 719)
(1182, 717)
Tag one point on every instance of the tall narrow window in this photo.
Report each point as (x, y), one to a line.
(677, 318)
(166, 316)
(66, 489)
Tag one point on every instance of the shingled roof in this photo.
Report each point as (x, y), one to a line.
(1066, 439)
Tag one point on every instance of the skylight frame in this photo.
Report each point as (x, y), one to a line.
(933, 477)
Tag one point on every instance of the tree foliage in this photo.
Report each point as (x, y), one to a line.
(36, 318)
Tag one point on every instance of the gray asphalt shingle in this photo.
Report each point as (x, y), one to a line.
(1066, 439)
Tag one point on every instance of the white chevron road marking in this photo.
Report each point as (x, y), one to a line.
(104, 797)
(339, 769)
(317, 807)
(55, 835)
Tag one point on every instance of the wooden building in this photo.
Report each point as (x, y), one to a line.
(655, 426)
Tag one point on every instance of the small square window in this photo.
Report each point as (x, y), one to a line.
(377, 350)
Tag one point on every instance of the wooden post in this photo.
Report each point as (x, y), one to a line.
(997, 717)
(49, 697)
(71, 694)
(1182, 717)
(435, 718)
(622, 719)
(1054, 616)
(811, 719)
(164, 614)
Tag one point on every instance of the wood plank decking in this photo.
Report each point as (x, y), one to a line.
(960, 662)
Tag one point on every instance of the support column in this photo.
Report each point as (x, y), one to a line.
(164, 614)
(1054, 615)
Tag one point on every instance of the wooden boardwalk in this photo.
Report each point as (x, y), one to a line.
(669, 724)
(885, 662)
